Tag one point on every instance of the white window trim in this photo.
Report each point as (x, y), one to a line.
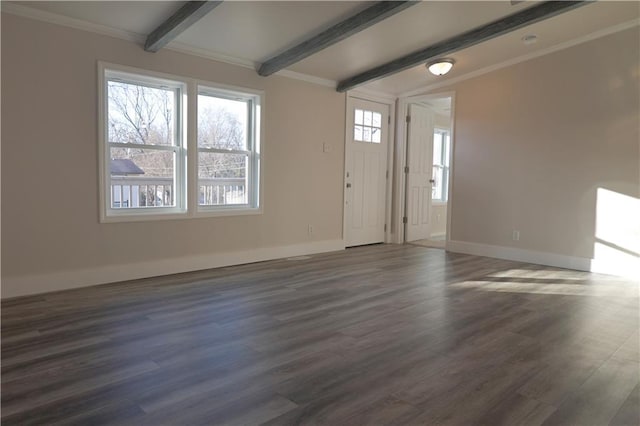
(368, 126)
(187, 206)
(447, 169)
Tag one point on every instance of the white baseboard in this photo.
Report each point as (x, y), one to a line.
(520, 255)
(64, 280)
(438, 234)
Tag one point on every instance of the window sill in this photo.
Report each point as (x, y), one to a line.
(128, 216)
(228, 211)
(123, 217)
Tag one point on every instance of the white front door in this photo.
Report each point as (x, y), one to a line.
(365, 172)
(419, 175)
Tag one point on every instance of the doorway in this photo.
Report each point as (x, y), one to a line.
(427, 171)
(366, 153)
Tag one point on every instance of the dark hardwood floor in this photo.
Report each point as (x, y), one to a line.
(382, 334)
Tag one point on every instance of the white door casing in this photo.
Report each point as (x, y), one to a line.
(365, 172)
(419, 175)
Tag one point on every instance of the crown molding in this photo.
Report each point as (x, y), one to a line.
(208, 54)
(78, 24)
(65, 21)
(308, 78)
(370, 94)
(558, 47)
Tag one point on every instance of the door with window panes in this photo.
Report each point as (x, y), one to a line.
(365, 172)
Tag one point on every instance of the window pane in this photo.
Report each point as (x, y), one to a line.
(357, 133)
(447, 149)
(358, 118)
(140, 114)
(375, 135)
(142, 178)
(377, 119)
(222, 179)
(222, 123)
(366, 134)
(367, 118)
(437, 148)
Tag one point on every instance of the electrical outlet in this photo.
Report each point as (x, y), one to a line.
(310, 230)
(516, 235)
(326, 147)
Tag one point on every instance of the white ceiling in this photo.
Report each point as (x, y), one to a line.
(439, 105)
(563, 28)
(252, 31)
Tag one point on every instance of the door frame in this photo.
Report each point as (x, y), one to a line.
(399, 177)
(391, 103)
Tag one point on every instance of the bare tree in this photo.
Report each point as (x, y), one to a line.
(220, 128)
(143, 116)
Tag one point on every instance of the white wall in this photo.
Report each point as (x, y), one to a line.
(536, 142)
(51, 235)
(442, 121)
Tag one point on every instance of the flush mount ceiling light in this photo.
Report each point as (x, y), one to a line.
(440, 67)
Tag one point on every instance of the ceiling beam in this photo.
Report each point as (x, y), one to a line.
(350, 26)
(486, 32)
(186, 16)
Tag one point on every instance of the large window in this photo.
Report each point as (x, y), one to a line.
(145, 149)
(146, 171)
(441, 157)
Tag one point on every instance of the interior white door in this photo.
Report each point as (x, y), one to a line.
(365, 172)
(419, 173)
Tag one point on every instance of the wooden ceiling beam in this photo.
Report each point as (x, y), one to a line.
(350, 26)
(494, 29)
(184, 17)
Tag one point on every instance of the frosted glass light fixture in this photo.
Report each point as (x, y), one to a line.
(441, 66)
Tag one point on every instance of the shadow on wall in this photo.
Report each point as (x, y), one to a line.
(617, 237)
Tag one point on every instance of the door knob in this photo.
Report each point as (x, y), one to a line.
(432, 181)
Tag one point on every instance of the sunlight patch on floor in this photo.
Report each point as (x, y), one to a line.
(608, 290)
(544, 273)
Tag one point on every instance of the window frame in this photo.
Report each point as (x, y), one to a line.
(186, 162)
(370, 126)
(446, 135)
(254, 99)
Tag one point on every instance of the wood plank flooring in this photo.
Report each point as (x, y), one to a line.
(383, 334)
